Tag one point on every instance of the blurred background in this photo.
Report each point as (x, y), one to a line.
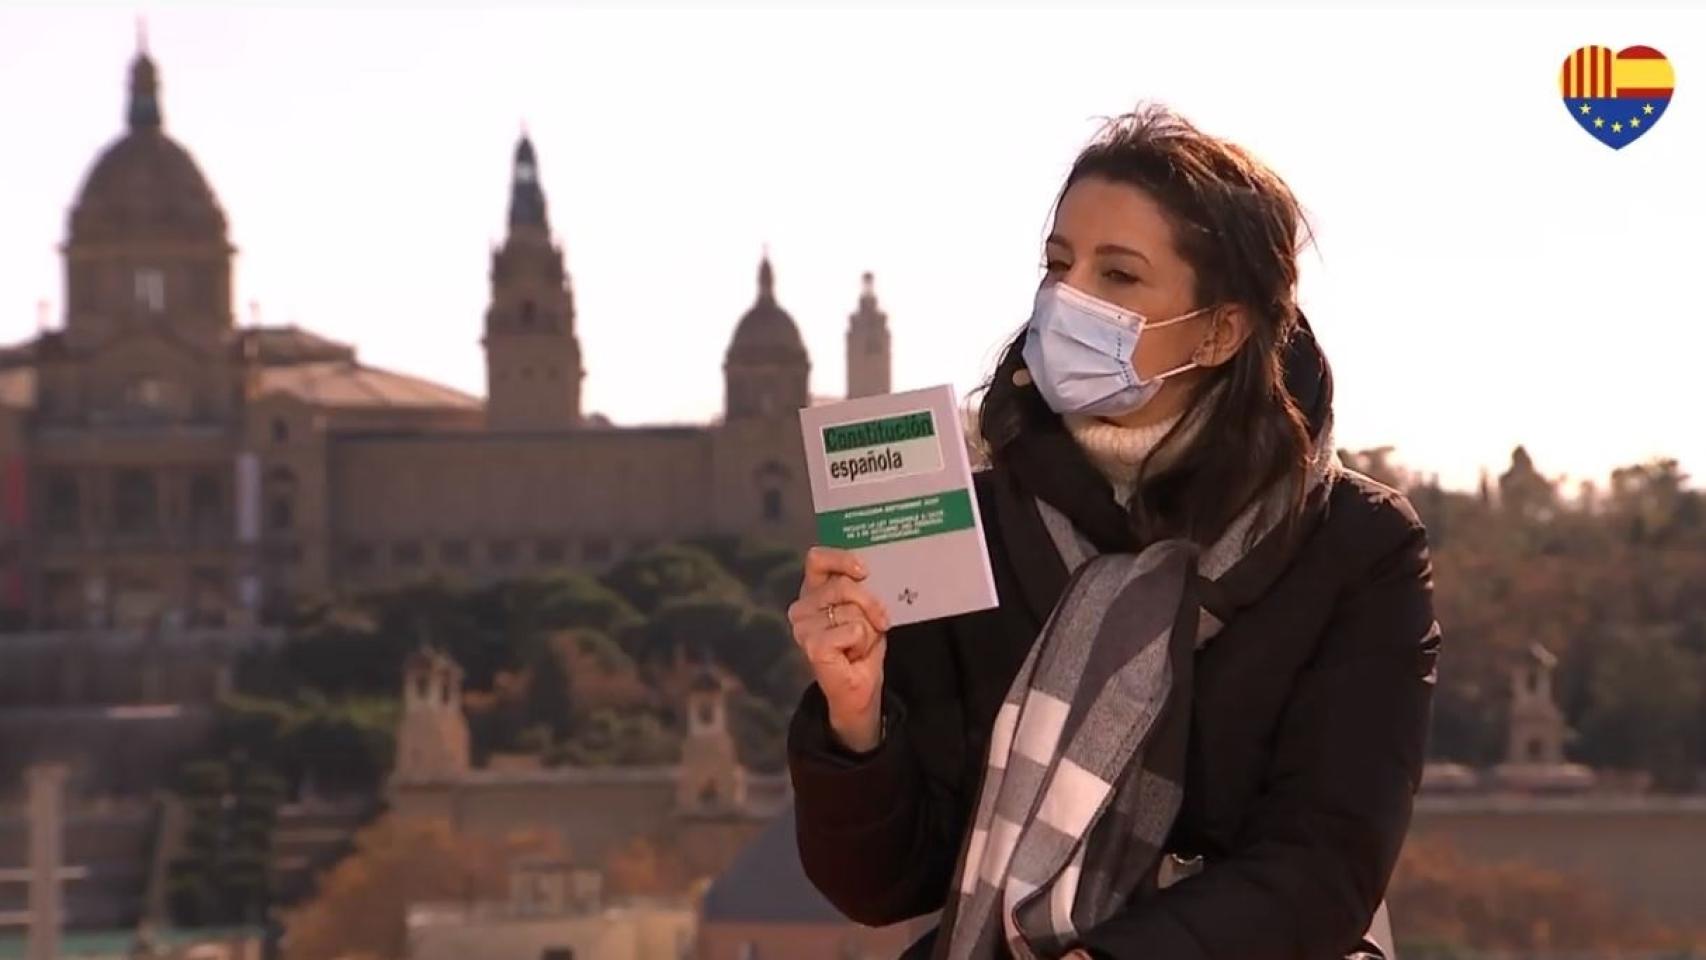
(401, 483)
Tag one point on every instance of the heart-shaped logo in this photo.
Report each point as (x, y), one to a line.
(1617, 97)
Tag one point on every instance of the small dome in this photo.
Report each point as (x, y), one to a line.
(767, 334)
(146, 186)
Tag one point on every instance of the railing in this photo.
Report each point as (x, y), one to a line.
(148, 538)
(22, 918)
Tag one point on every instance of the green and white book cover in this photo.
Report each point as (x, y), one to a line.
(891, 481)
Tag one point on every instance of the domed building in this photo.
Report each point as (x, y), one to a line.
(766, 368)
(173, 472)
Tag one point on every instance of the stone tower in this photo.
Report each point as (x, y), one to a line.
(1537, 729)
(868, 362)
(766, 370)
(432, 736)
(533, 358)
(711, 778)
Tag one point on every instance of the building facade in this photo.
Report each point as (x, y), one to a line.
(704, 808)
(163, 465)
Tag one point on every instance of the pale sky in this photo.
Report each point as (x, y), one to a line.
(1486, 273)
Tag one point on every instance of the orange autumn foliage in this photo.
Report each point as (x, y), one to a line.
(644, 867)
(1440, 896)
(359, 907)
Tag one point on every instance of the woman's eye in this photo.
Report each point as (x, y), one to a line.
(1119, 276)
(1054, 266)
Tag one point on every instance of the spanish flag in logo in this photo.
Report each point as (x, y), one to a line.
(1617, 97)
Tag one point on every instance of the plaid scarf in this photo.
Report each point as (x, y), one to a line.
(1086, 760)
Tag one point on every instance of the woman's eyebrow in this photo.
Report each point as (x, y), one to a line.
(1125, 251)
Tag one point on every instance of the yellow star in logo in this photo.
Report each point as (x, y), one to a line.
(1617, 128)
(1647, 109)
(1599, 121)
(1634, 121)
(1586, 109)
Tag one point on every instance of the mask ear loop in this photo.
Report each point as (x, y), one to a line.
(1189, 364)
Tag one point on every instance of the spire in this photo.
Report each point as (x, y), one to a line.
(526, 198)
(867, 344)
(766, 277)
(144, 85)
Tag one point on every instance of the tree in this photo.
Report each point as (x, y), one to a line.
(1524, 493)
(548, 702)
(1651, 502)
(337, 648)
(342, 746)
(763, 640)
(781, 586)
(694, 628)
(527, 611)
(601, 674)
(760, 730)
(645, 867)
(1646, 691)
(360, 905)
(223, 874)
(616, 738)
(654, 577)
(1376, 464)
(497, 716)
(750, 561)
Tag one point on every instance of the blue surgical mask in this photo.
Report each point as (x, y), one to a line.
(1079, 351)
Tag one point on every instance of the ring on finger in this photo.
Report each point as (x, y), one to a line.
(829, 611)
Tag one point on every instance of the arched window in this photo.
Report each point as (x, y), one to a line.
(529, 313)
(773, 506)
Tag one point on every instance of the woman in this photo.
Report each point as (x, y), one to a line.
(1195, 723)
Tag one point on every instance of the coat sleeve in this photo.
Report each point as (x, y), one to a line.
(879, 833)
(1315, 852)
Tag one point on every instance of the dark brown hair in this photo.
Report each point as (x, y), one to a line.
(1239, 227)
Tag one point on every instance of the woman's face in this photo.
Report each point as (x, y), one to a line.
(1113, 241)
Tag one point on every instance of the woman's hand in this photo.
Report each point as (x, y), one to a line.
(843, 630)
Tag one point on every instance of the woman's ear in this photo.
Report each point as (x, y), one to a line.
(1229, 327)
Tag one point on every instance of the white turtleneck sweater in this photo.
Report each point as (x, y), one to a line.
(1119, 452)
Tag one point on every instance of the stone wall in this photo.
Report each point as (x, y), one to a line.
(1647, 851)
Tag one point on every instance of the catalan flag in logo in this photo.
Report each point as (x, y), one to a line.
(1617, 97)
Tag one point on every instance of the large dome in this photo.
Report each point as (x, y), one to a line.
(146, 186)
(766, 334)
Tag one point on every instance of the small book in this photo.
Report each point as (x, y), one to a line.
(891, 481)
